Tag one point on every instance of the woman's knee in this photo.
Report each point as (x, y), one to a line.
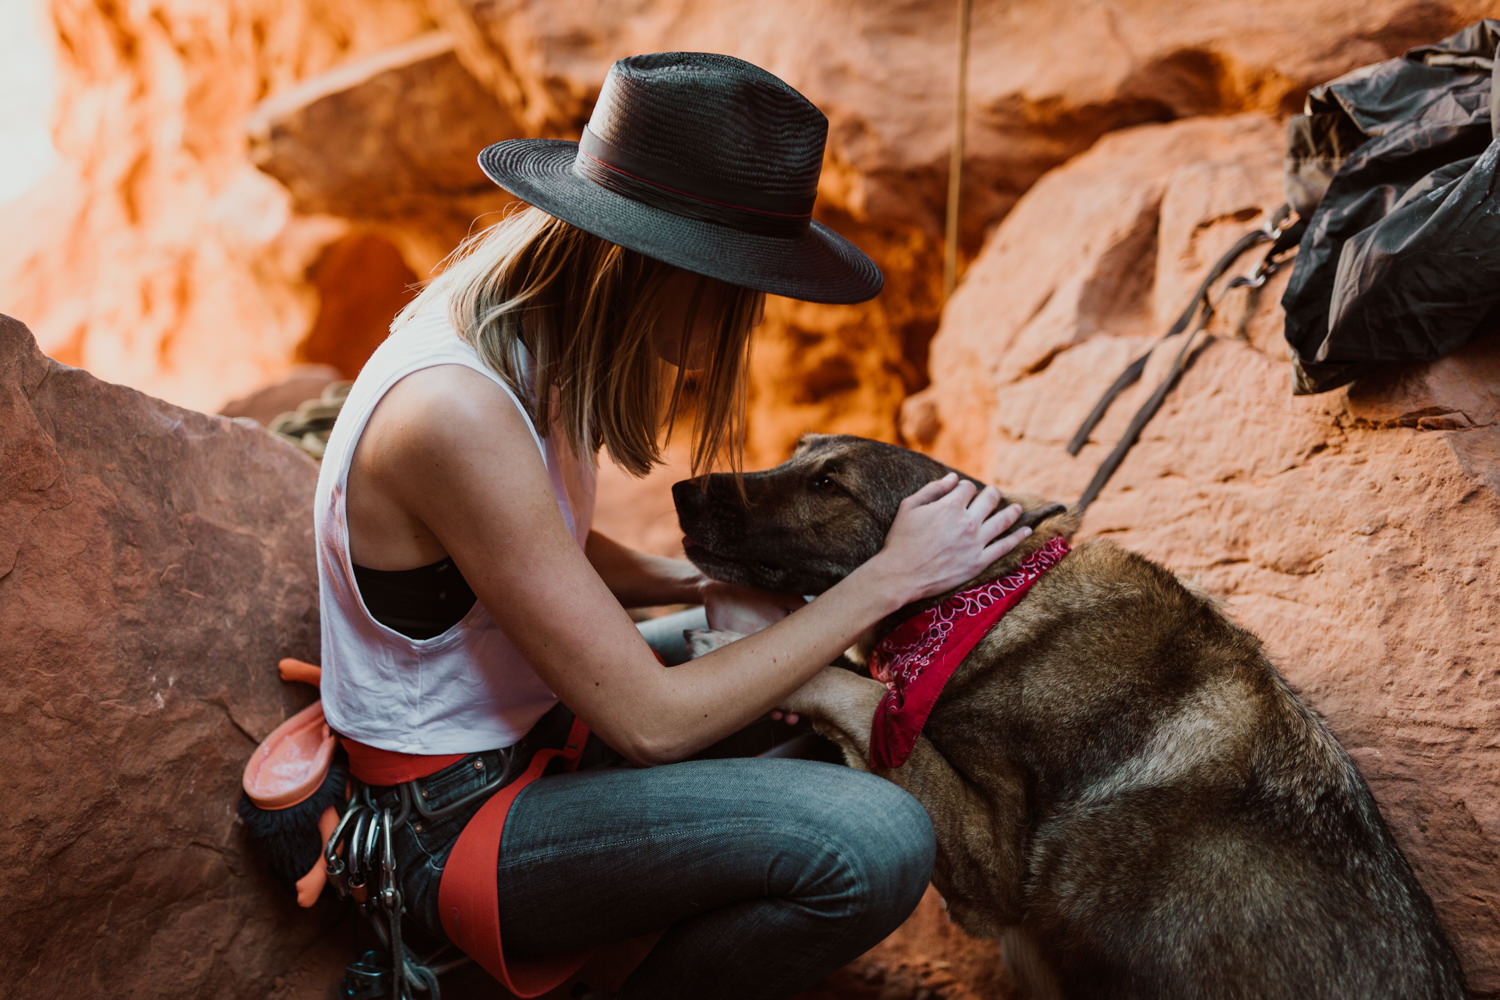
(897, 837)
(880, 841)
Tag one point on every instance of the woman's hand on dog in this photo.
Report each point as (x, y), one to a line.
(947, 533)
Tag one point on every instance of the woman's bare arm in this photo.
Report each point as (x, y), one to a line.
(454, 452)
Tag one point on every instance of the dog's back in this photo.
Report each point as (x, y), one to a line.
(1198, 831)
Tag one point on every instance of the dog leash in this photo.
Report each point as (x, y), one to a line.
(1283, 232)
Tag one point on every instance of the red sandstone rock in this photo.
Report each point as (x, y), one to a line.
(1041, 89)
(404, 127)
(1355, 532)
(154, 565)
(155, 255)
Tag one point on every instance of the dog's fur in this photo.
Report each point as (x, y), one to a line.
(1116, 768)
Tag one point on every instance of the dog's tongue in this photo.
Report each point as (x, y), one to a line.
(880, 669)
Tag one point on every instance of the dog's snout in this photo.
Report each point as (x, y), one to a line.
(719, 492)
(687, 491)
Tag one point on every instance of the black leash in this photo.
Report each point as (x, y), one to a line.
(1283, 235)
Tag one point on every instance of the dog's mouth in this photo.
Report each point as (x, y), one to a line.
(696, 550)
(725, 567)
(751, 563)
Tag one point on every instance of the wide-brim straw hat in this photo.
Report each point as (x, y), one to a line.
(705, 162)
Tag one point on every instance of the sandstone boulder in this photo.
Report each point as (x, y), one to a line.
(405, 126)
(1355, 532)
(271, 401)
(154, 565)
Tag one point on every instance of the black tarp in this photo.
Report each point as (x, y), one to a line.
(1394, 168)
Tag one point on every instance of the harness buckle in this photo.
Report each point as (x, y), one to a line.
(365, 978)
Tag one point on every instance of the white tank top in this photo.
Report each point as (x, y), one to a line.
(469, 688)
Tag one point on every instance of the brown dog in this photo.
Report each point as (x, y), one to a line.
(1115, 767)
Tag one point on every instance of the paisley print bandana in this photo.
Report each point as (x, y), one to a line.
(916, 659)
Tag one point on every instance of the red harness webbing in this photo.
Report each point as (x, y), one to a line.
(375, 766)
(469, 890)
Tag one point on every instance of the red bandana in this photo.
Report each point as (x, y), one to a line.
(916, 659)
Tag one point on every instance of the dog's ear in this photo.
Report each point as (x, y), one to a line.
(807, 442)
(1044, 516)
(1064, 523)
(1036, 515)
(891, 473)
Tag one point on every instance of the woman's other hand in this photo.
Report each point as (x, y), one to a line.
(736, 608)
(946, 533)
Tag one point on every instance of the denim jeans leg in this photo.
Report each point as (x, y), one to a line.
(765, 874)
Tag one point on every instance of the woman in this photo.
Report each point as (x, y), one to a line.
(464, 596)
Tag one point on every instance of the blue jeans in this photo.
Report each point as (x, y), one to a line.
(764, 875)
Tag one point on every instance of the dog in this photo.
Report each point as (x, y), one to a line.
(1123, 787)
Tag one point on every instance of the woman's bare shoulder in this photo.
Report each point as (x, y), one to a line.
(449, 392)
(443, 407)
(438, 431)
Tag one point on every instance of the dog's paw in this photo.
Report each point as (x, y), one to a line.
(836, 694)
(706, 640)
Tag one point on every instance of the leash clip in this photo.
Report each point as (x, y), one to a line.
(1277, 222)
(1259, 276)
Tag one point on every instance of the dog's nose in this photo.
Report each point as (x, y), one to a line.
(691, 494)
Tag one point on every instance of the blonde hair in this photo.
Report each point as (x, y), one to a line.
(585, 309)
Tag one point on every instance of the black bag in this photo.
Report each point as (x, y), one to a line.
(1394, 168)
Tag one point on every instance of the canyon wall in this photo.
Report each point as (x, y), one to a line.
(158, 255)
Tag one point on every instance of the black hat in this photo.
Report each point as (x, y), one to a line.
(705, 162)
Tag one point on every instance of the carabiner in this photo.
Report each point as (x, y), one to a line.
(332, 863)
(390, 896)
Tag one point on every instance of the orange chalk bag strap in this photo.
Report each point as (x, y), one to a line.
(469, 891)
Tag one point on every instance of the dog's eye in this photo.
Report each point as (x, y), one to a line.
(827, 486)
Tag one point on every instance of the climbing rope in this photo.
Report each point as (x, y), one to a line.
(956, 163)
(309, 425)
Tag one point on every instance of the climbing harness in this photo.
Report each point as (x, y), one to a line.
(298, 791)
(1283, 231)
(469, 893)
(360, 858)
